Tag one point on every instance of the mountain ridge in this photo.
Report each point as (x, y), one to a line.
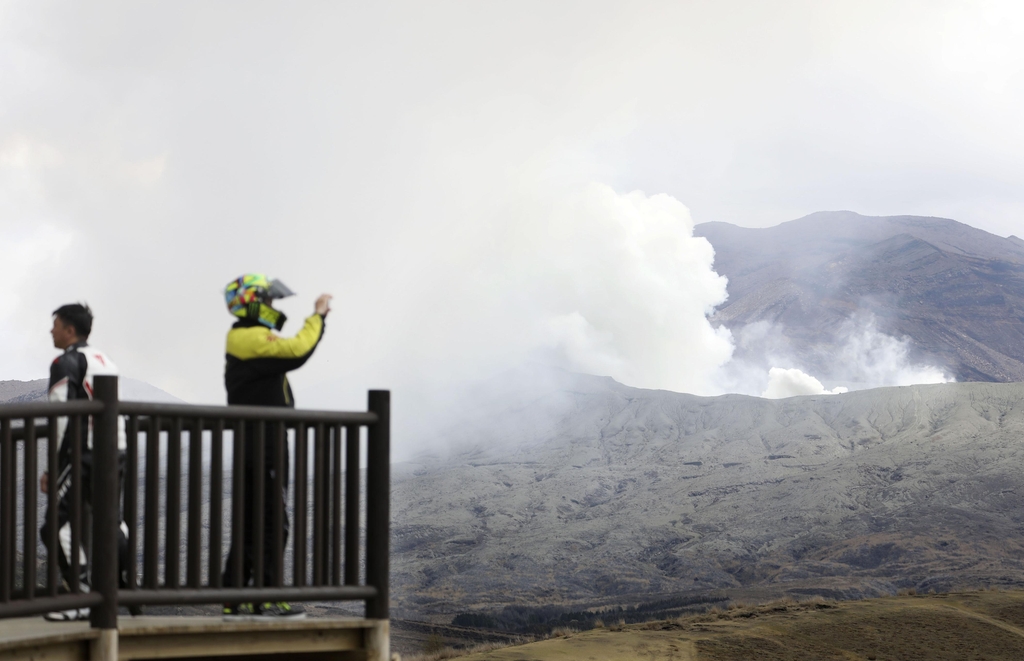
(954, 291)
(13, 391)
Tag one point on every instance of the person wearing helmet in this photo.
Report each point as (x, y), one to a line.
(258, 360)
(256, 374)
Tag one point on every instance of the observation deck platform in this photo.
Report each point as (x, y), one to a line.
(191, 637)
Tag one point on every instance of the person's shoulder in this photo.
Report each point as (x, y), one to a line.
(248, 341)
(68, 355)
(97, 362)
(70, 363)
(250, 331)
(59, 362)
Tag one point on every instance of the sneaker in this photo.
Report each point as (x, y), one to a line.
(71, 615)
(282, 609)
(240, 611)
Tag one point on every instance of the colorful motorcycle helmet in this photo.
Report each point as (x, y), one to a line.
(249, 297)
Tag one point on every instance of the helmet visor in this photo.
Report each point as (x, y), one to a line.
(278, 289)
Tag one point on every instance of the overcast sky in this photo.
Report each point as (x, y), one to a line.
(392, 153)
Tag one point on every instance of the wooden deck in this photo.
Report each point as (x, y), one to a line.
(198, 638)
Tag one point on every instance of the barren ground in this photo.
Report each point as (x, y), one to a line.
(966, 625)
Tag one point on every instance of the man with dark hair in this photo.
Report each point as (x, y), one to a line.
(256, 373)
(71, 377)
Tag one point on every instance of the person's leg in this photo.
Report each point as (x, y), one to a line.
(122, 537)
(269, 567)
(284, 502)
(280, 608)
(64, 549)
(242, 552)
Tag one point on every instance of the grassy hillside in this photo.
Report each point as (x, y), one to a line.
(966, 625)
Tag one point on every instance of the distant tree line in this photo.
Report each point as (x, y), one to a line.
(539, 620)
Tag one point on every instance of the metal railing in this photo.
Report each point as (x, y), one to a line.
(326, 555)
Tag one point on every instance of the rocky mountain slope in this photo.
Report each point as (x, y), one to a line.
(957, 292)
(584, 491)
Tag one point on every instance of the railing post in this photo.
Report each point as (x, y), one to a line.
(378, 508)
(105, 506)
(7, 498)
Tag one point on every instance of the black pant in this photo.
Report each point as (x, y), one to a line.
(247, 551)
(62, 483)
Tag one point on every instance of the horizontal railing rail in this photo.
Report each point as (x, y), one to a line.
(49, 409)
(305, 467)
(165, 412)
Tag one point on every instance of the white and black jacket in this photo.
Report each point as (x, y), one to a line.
(71, 378)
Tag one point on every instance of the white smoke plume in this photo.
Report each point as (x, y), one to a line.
(626, 289)
(792, 382)
(869, 358)
(589, 280)
(615, 284)
(866, 358)
(582, 278)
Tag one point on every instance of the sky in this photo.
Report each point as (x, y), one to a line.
(477, 184)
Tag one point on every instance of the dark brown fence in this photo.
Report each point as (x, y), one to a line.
(328, 551)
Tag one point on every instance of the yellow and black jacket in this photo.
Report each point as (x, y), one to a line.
(258, 361)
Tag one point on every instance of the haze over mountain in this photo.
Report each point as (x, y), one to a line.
(580, 490)
(803, 288)
(587, 491)
(554, 487)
